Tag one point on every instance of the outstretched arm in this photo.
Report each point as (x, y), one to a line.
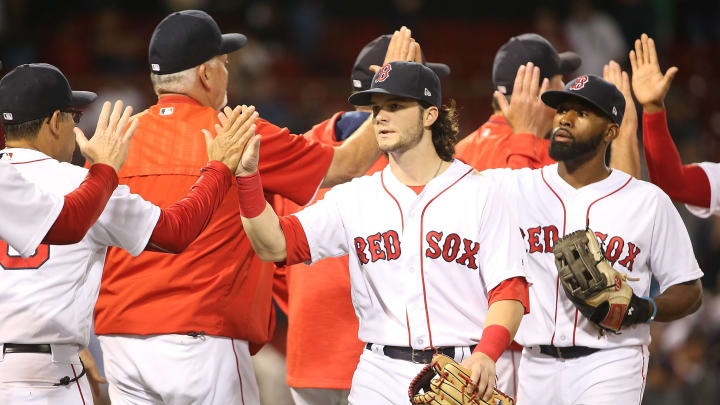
(625, 153)
(181, 223)
(685, 183)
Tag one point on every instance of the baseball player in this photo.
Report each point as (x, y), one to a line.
(31, 215)
(567, 359)
(696, 185)
(318, 302)
(422, 279)
(212, 304)
(48, 297)
(509, 140)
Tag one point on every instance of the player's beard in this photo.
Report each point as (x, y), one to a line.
(562, 151)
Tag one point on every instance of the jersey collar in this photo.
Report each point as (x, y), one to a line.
(177, 99)
(613, 181)
(456, 169)
(22, 155)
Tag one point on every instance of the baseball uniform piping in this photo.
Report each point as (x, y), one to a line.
(557, 285)
(77, 382)
(382, 181)
(422, 270)
(237, 365)
(31, 161)
(587, 216)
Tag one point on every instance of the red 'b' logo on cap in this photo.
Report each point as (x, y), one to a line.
(579, 83)
(384, 73)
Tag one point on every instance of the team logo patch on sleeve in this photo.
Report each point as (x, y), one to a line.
(384, 73)
(167, 110)
(579, 83)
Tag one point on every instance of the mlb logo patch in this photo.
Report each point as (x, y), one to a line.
(7, 116)
(427, 92)
(167, 110)
(155, 67)
(357, 84)
(614, 110)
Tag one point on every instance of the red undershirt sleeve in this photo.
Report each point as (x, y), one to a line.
(83, 206)
(523, 152)
(181, 223)
(688, 184)
(297, 246)
(515, 288)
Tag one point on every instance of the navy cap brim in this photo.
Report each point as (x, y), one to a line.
(365, 97)
(553, 98)
(81, 98)
(232, 42)
(569, 62)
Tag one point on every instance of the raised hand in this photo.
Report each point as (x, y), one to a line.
(235, 131)
(402, 47)
(615, 75)
(526, 113)
(111, 141)
(648, 82)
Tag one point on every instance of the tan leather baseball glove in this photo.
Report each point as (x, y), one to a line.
(445, 382)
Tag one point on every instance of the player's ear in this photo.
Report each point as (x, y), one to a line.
(612, 132)
(430, 115)
(54, 122)
(203, 75)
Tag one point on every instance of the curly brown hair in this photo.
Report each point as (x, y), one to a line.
(445, 130)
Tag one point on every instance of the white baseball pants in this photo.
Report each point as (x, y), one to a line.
(28, 378)
(178, 370)
(606, 377)
(319, 396)
(506, 370)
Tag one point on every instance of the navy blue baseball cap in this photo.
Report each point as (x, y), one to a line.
(35, 91)
(526, 48)
(592, 89)
(403, 79)
(186, 39)
(374, 54)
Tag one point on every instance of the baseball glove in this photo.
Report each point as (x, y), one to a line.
(445, 382)
(598, 291)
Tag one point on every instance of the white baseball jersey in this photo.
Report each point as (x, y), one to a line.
(421, 265)
(641, 230)
(712, 170)
(28, 212)
(49, 297)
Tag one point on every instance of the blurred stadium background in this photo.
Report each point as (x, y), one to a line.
(296, 70)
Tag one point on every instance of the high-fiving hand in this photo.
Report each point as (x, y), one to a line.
(526, 113)
(402, 47)
(648, 82)
(111, 141)
(235, 131)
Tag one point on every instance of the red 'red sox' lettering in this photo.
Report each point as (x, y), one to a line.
(541, 239)
(451, 249)
(380, 246)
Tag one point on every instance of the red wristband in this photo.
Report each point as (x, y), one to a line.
(250, 195)
(495, 339)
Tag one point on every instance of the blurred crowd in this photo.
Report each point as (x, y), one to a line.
(296, 67)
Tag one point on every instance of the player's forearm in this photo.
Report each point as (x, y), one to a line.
(678, 301)
(625, 153)
(83, 206)
(260, 222)
(183, 221)
(266, 235)
(688, 184)
(507, 313)
(354, 157)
